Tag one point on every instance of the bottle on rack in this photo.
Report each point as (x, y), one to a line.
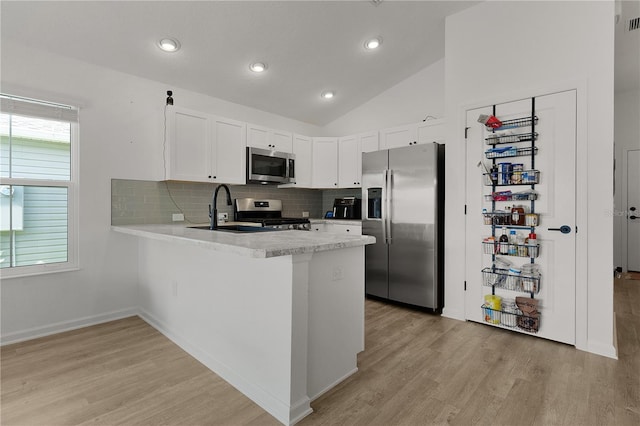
(513, 243)
(532, 245)
(504, 241)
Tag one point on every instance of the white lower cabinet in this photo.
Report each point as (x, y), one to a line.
(337, 228)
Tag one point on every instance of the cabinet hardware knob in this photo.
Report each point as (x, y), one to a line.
(209, 176)
(632, 217)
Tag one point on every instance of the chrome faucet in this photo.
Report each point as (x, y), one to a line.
(214, 214)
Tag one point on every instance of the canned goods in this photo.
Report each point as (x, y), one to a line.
(531, 219)
(516, 176)
(504, 173)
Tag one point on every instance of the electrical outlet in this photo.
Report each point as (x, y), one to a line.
(223, 217)
(305, 214)
(177, 217)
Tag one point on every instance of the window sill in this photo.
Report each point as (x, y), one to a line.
(30, 271)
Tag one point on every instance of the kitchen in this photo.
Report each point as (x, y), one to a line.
(132, 151)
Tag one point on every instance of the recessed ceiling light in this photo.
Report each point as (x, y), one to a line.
(328, 94)
(169, 44)
(258, 67)
(373, 43)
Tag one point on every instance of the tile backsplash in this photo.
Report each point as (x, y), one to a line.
(146, 202)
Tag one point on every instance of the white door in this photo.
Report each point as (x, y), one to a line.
(556, 162)
(633, 210)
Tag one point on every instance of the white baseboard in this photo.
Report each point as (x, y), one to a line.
(284, 413)
(334, 384)
(49, 329)
(455, 314)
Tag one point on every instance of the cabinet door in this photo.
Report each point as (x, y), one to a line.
(282, 141)
(369, 142)
(398, 136)
(302, 148)
(189, 146)
(258, 137)
(333, 228)
(348, 155)
(431, 131)
(229, 158)
(325, 163)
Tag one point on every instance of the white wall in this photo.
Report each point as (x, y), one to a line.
(627, 137)
(409, 101)
(121, 129)
(499, 51)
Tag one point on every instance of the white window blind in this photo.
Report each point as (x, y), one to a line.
(29, 108)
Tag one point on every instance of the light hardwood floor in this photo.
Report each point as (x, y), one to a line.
(418, 369)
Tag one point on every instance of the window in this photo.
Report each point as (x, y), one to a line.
(38, 184)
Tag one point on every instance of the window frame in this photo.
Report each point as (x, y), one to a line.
(73, 187)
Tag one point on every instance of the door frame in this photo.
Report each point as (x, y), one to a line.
(580, 85)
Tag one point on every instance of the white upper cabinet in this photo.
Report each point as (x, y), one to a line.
(204, 148)
(431, 131)
(188, 151)
(348, 158)
(325, 163)
(303, 150)
(265, 138)
(229, 149)
(369, 142)
(350, 149)
(396, 137)
(282, 141)
(413, 134)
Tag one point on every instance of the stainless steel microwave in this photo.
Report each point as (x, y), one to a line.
(266, 166)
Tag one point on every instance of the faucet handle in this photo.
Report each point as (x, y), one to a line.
(209, 210)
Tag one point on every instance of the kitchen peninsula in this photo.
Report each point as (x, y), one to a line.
(279, 315)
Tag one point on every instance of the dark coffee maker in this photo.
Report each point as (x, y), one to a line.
(347, 208)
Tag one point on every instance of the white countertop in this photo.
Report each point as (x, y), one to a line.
(259, 244)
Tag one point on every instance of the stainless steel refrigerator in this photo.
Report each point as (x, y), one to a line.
(403, 207)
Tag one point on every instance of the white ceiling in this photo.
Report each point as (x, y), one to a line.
(310, 46)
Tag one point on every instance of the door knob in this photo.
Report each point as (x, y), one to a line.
(564, 229)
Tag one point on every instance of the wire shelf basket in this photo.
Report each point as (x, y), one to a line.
(509, 196)
(511, 319)
(514, 123)
(497, 139)
(517, 250)
(500, 278)
(521, 177)
(509, 151)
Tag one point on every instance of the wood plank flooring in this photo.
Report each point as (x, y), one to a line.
(418, 369)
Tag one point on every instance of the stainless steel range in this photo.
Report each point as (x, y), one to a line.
(268, 213)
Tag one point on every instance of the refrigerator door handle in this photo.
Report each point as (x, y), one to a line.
(387, 217)
(384, 206)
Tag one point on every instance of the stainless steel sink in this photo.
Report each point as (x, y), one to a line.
(238, 229)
